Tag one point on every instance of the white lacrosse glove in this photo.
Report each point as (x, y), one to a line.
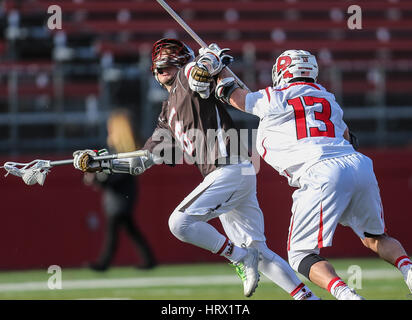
(199, 79)
(214, 58)
(225, 88)
(83, 160)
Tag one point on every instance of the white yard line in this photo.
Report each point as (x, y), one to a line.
(168, 281)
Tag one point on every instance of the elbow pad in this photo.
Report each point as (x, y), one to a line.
(225, 88)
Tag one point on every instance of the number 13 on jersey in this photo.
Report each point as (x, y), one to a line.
(299, 104)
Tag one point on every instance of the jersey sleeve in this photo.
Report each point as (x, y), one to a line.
(258, 103)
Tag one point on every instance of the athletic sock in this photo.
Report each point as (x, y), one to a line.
(403, 263)
(302, 292)
(335, 287)
(232, 252)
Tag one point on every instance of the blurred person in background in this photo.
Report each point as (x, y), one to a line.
(120, 192)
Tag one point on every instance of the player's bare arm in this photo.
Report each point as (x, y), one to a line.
(237, 99)
(350, 136)
(346, 134)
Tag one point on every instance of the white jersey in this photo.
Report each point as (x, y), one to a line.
(300, 124)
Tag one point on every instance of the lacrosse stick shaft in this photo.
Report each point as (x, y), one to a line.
(122, 155)
(195, 37)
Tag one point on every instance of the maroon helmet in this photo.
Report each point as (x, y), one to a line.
(170, 52)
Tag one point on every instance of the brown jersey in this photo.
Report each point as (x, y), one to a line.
(200, 131)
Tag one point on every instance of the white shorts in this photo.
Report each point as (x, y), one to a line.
(229, 193)
(339, 190)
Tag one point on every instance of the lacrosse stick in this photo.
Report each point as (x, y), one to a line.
(195, 37)
(35, 171)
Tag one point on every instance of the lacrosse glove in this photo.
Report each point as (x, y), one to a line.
(199, 79)
(214, 58)
(83, 160)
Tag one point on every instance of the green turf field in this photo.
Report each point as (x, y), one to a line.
(217, 281)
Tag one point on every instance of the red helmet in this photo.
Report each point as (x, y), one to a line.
(170, 52)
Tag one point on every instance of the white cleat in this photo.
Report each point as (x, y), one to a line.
(409, 280)
(347, 293)
(247, 269)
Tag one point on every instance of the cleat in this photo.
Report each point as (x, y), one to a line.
(409, 280)
(347, 293)
(247, 270)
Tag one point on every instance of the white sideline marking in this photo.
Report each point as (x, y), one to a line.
(168, 281)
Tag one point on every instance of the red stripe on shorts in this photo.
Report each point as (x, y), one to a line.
(264, 153)
(320, 234)
(290, 232)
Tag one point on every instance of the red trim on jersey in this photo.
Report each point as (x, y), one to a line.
(320, 234)
(267, 92)
(291, 229)
(333, 281)
(297, 289)
(298, 84)
(223, 247)
(264, 153)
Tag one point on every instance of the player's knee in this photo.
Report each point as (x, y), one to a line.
(302, 261)
(179, 224)
(294, 258)
(175, 224)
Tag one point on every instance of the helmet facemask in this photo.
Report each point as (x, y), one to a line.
(170, 52)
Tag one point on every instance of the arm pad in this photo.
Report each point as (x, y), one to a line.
(133, 166)
(225, 88)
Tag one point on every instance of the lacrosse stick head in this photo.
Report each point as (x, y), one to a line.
(31, 173)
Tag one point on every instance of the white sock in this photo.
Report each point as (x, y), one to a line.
(232, 252)
(278, 270)
(334, 284)
(403, 263)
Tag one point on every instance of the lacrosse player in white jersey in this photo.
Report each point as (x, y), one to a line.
(302, 135)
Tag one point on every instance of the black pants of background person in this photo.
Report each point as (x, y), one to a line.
(115, 223)
(120, 192)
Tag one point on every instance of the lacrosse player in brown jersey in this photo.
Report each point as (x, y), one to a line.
(193, 125)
